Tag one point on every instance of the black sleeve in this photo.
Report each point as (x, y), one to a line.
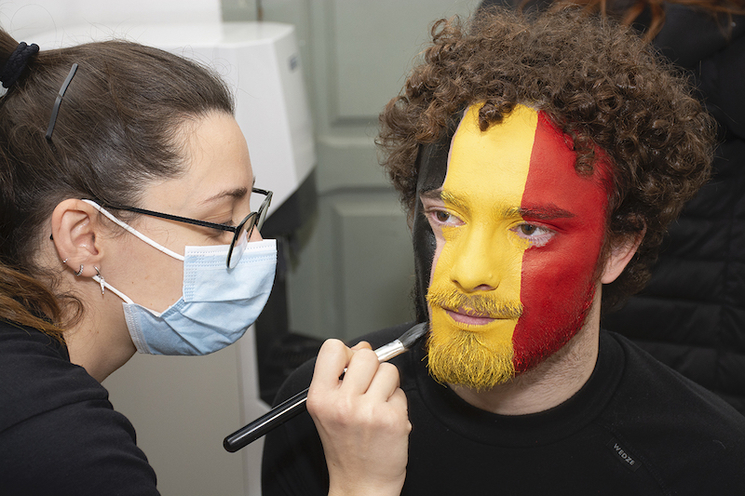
(722, 80)
(293, 461)
(80, 449)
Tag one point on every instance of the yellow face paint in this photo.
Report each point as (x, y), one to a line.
(509, 191)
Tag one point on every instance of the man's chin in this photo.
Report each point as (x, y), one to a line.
(463, 358)
(477, 385)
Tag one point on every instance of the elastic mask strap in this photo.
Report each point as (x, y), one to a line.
(134, 231)
(111, 288)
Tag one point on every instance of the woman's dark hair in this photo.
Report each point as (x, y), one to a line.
(597, 81)
(118, 127)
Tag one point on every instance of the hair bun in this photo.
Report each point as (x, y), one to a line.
(15, 64)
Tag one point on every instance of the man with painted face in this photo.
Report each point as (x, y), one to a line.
(540, 160)
(517, 238)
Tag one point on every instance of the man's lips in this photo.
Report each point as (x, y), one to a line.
(470, 317)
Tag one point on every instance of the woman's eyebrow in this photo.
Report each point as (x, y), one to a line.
(236, 193)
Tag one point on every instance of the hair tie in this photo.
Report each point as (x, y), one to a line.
(15, 65)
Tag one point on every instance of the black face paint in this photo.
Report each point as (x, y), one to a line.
(432, 166)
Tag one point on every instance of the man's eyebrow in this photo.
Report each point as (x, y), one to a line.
(439, 194)
(548, 212)
(537, 212)
(431, 194)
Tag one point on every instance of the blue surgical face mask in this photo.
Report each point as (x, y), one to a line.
(217, 306)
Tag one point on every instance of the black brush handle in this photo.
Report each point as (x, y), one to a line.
(273, 418)
(295, 405)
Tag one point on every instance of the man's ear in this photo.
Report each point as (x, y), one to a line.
(620, 255)
(74, 228)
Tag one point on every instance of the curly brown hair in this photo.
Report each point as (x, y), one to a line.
(597, 81)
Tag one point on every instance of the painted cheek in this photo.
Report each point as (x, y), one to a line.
(558, 278)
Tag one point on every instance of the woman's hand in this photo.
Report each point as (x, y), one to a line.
(362, 419)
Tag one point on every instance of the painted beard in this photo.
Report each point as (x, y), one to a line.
(479, 359)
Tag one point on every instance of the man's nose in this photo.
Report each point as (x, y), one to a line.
(477, 262)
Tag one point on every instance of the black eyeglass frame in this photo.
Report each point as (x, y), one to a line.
(259, 216)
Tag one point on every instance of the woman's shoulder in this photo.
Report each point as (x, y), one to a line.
(57, 425)
(36, 376)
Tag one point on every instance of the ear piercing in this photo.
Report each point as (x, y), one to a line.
(100, 279)
(79, 272)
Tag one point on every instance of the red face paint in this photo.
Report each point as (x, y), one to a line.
(558, 279)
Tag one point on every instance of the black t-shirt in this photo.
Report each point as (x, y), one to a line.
(59, 435)
(636, 427)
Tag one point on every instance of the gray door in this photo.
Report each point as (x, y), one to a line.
(353, 270)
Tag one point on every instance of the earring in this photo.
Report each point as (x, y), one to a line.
(65, 261)
(100, 279)
(79, 272)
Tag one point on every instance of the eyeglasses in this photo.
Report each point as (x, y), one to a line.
(242, 232)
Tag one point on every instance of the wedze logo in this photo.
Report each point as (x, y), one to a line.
(631, 463)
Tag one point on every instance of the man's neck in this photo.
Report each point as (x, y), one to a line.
(549, 384)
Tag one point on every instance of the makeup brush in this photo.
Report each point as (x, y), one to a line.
(296, 404)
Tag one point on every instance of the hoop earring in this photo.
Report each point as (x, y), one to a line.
(79, 272)
(100, 280)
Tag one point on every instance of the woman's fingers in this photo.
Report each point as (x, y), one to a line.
(360, 372)
(362, 419)
(385, 382)
(332, 359)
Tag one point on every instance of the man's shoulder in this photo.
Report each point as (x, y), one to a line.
(666, 388)
(645, 373)
(661, 414)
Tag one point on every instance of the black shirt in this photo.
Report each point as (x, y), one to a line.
(58, 432)
(636, 427)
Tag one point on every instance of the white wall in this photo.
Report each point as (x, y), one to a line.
(24, 17)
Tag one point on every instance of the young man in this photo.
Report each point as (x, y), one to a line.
(541, 160)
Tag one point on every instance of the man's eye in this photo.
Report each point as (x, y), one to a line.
(537, 235)
(442, 218)
(528, 229)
